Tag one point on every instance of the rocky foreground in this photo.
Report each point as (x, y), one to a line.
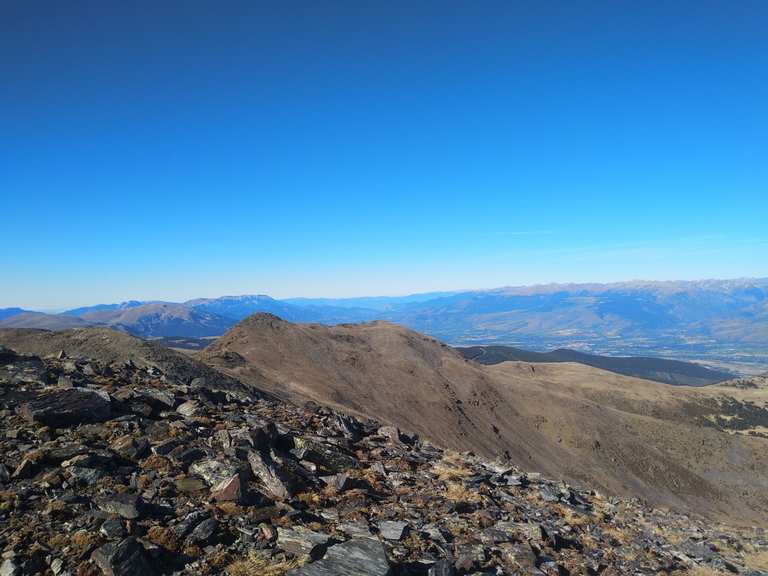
(124, 470)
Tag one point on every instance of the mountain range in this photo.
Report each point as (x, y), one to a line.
(720, 322)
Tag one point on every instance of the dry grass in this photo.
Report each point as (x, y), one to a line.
(456, 492)
(572, 517)
(757, 560)
(164, 537)
(230, 509)
(83, 540)
(256, 563)
(159, 464)
(701, 571)
(452, 467)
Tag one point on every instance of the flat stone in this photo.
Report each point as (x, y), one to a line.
(126, 558)
(356, 530)
(64, 408)
(189, 408)
(228, 490)
(190, 485)
(301, 541)
(213, 471)
(129, 447)
(393, 529)
(363, 557)
(128, 506)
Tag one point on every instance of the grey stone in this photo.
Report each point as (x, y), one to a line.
(165, 447)
(87, 476)
(189, 522)
(128, 506)
(126, 558)
(442, 568)
(205, 532)
(112, 529)
(129, 447)
(188, 408)
(360, 557)
(9, 568)
(393, 529)
(301, 541)
(64, 408)
(278, 480)
(213, 471)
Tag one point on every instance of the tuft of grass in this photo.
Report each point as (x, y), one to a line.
(701, 571)
(164, 537)
(256, 563)
(159, 464)
(451, 468)
(456, 492)
(757, 560)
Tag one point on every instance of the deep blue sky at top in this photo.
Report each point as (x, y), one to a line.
(180, 149)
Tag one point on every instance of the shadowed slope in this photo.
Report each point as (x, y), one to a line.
(656, 369)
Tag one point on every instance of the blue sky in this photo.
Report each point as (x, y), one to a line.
(171, 150)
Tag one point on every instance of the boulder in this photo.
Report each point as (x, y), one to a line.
(301, 541)
(279, 480)
(213, 471)
(228, 490)
(359, 557)
(128, 506)
(126, 558)
(70, 407)
(393, 530)
(204, 533)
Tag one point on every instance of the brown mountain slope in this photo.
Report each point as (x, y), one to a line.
(626, 435)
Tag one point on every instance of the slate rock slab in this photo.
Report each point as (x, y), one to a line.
(300, 541)
(360, 557)
(64, 408)
(213, 471)
(393, 530)
(128, 506)
(126, 558)
(278, 479)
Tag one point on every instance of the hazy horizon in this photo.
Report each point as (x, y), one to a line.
(236, 294)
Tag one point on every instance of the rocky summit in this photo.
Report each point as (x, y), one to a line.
(122, 469)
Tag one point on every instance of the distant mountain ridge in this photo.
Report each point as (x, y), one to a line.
(708, 320)
(656, 369)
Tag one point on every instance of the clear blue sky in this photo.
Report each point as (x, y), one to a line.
(178, 149)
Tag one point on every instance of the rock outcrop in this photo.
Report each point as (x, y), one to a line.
(250, 485)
